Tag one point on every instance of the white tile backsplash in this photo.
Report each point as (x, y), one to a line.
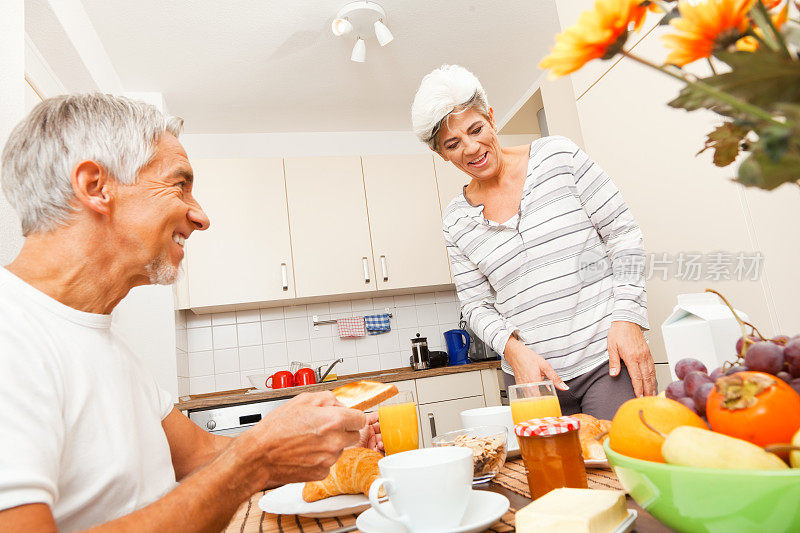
(249, 334)
(226, 360)
(201, 364)
(251, 357)
(223, 319)
(426, 315)
(321, 349)
(228, 381)
(197, 321)
(275, 355)
(198, 339)
(224, 337)
(273, 331)
(361, 305)
(220, 350)
(201, 385)
(251, 315)
(367, 345)
(299, 350)
(369, 363)
(296, 328)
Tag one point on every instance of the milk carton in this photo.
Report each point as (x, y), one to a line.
(701, 326)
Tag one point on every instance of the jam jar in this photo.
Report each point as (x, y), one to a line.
(551, 452)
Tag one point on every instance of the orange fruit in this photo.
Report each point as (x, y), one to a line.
(629, 436)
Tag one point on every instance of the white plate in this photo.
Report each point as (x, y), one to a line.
(288, 499)
(596, 463)
(483, 510)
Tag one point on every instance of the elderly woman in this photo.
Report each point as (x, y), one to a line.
(547, 259)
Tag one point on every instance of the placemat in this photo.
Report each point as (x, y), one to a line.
(512, 476)
(250, 519)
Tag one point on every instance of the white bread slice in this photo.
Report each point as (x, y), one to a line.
(364, 394)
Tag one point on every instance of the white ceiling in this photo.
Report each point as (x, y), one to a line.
(249, 66)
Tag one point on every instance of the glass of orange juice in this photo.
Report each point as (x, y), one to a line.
(533, 400)
(398, 419)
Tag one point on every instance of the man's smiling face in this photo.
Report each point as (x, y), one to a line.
(158, 213)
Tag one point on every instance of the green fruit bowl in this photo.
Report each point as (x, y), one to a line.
(692, 500)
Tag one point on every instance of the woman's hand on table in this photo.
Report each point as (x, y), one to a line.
(371, 433)
(529, 366)
(626, 342)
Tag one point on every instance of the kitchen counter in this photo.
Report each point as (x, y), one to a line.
(385, 376)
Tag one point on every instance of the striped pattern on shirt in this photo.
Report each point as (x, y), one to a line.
(548, 274)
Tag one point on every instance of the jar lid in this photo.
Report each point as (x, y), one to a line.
(550, 425)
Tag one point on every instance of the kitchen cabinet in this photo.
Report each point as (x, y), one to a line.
(245, 255)
(329, 226)
(449, 386)
(405, 221)
(441, 417)
(449, 179)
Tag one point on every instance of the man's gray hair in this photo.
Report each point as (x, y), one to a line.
(118, 133)
(447, 89)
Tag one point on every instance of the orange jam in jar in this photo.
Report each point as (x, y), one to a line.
(551, 452)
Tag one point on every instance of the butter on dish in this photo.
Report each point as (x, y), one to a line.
(574, 511)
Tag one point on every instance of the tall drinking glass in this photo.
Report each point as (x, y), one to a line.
(398, 418)
(533, 400)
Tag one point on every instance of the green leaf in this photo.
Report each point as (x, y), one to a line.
(760, 170)
(726, 141)
(769, 33)
(762, 78)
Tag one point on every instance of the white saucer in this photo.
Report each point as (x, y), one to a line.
(288, 499)
(483, 510)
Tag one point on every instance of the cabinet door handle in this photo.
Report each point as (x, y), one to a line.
(384, 269)
(284, 277)
(433, 424)
(366, 269)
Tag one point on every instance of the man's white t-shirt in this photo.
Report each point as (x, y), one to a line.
(80, 416)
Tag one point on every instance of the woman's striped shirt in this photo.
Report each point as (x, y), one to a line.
(560, 271)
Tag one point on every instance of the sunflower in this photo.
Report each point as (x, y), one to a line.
(750, 43)
(706, 26)
(600, 33)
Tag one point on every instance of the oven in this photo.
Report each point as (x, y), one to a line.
(232, 420)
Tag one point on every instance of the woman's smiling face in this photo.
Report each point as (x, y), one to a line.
(469, 140)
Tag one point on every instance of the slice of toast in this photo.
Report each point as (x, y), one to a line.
(364, 394)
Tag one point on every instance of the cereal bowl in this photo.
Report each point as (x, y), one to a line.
(489, 445)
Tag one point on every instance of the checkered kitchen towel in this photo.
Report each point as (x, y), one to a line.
(351, 327)
(377, 324)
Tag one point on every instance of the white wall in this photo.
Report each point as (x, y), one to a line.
(682, 202)
(12, 109)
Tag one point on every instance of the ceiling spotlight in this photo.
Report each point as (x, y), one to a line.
(382, 33)
(359, 54)
(340, 26)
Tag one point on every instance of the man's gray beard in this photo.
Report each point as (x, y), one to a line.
(161, 271)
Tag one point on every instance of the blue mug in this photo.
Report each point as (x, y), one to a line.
(456, 347)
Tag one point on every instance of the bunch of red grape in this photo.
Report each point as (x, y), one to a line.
(779, 356)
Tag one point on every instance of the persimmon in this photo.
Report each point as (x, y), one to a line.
(755, 407)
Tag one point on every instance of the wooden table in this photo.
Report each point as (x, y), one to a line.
(510, 482)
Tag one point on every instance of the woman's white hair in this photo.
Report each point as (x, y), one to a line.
(448, 88)
(118, 133)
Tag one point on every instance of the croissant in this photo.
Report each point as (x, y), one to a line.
(591, 429)
(352, 473)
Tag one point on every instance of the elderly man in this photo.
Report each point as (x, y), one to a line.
(103, 189)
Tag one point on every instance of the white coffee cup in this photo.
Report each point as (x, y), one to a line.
(429, 488)
(491, 416)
